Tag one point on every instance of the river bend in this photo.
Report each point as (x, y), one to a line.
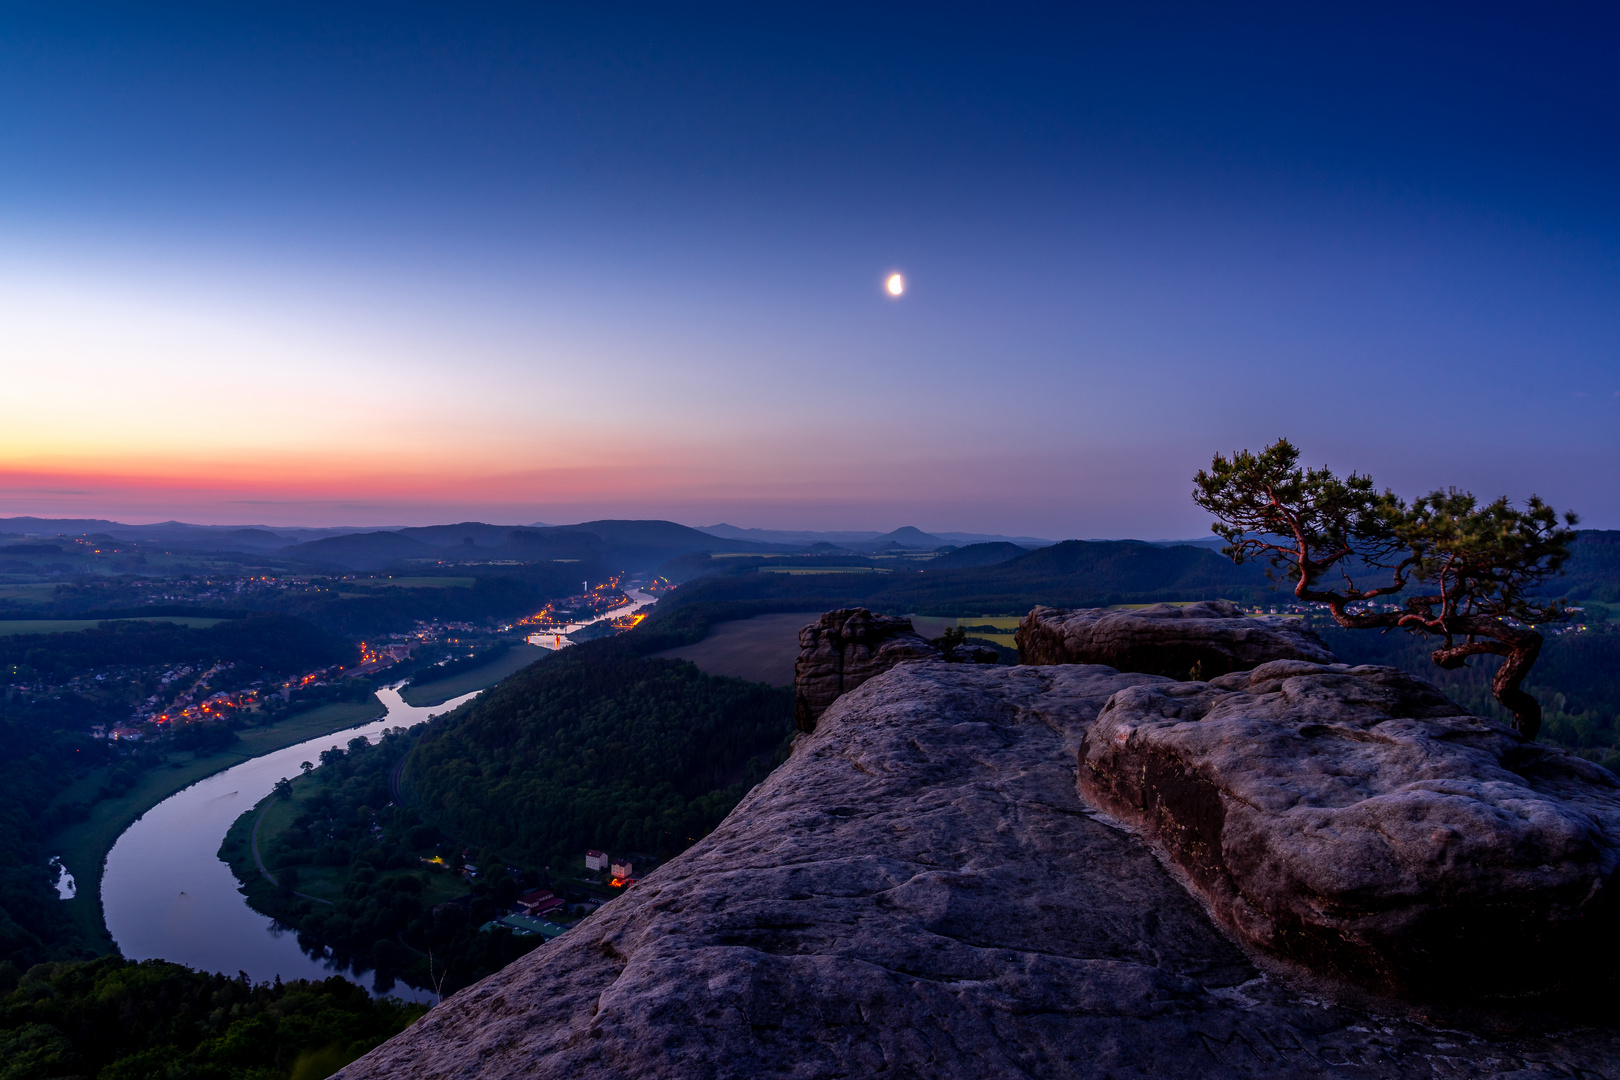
(167, 895)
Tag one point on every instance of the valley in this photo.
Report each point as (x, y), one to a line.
(628, 718)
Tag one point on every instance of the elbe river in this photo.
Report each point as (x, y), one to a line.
(167, 894)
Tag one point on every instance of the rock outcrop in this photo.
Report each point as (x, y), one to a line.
(1356, 822)
(920, 891)
(1200, 640)
(844, 648)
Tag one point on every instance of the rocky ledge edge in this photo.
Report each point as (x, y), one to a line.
(921, 890)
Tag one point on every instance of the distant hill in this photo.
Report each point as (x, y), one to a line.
(1593, 569)
(359, 551)
(978, 555)
(908, 537)
(1214, 543)
(1076, 573)
(551, 543)
(176, 534)
(617, 544)
(259, 538)
(642, 545)
(478, 533)
(850, 538)
(658, 534)
(788, 536)
(57, 526)
(991, 538)
(996, 579)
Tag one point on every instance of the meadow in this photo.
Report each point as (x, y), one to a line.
(418, 582)
(797, 571)
(760, 649)
(67, 626)
(996, 628)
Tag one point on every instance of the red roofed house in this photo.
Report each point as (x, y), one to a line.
(538, 902)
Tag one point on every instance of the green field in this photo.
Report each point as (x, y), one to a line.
(419, 582)
(63, 626)
(760, 649)
(84, 845)
(437, 693)
(932, 626)
(38, 593)
(1008, 641)
(824, 570)
(1004, 623)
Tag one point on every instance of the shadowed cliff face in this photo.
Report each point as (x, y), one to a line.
(920, 891)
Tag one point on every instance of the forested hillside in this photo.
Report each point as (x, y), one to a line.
(380, 908)
(1576, 679)
(597, 747)
(262, 643)
(1593, 569)
(354, 608)
(1076, 573)
(117, 1020)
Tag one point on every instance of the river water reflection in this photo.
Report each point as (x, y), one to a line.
(558, 639)
(168, 896)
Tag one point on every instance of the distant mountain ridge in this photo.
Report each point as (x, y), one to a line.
(1592, 573)
(625, 544)
(180, 533)
(864, 539)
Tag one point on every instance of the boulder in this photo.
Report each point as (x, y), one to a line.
(844, 648)
(1200, 640)
(920, 891)
(1355, 822)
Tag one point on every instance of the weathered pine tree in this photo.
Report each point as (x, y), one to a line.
(1458, 570)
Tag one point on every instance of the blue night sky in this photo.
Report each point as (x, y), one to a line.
(408, 263)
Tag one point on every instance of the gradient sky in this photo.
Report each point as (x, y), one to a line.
(397, 264)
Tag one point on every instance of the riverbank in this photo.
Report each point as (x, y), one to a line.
(437, 693)
(367, 889)
(256, 835)
(83, 846)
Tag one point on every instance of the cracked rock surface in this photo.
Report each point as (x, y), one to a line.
(1177, 640)
(919, 891)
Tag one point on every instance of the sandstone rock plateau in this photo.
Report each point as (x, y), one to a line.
(1361, 825)
(844, 648)
(1200, 640)
(921, 891)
